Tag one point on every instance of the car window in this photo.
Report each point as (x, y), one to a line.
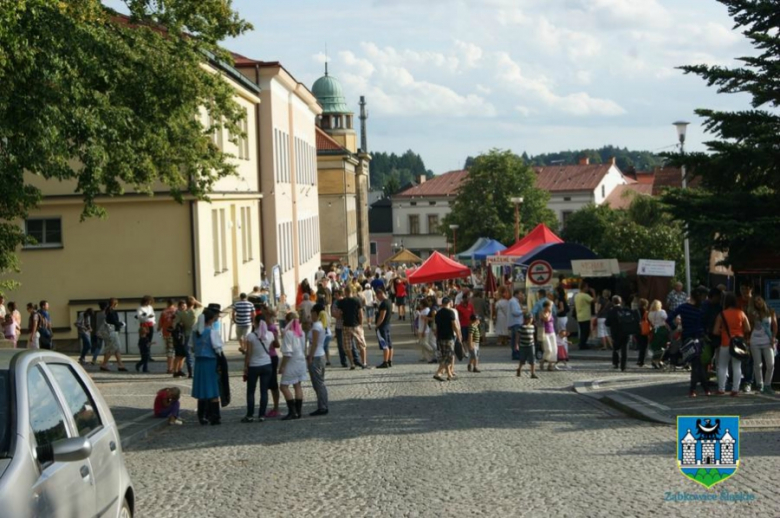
(80, 404)
(5, 414)
(46, 418)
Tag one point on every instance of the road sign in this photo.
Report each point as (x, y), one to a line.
(540, 273)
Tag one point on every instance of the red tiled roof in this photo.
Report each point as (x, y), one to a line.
(446, 184)
(671, 177)
(326, 143)
(243, 61)
(571, 177)
(619, 199)
(646, 177)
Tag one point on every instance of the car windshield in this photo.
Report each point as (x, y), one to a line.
(5, 414)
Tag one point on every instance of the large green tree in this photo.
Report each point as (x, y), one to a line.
(110, 102)
(737, 208)
(483, 206)
(643, 231)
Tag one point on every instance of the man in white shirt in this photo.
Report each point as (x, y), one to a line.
(2, 307)
(319, 275)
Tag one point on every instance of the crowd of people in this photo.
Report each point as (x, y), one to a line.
(711, 333)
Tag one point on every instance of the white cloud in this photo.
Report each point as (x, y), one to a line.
(484, 90)
(472, 54)
(510, 75)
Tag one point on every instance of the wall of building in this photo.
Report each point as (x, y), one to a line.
(141, 247)
(562, 202)
(429, 238)
(611, 180)
(384, 248)
(289, 182)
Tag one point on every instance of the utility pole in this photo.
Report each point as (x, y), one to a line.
(363, 119)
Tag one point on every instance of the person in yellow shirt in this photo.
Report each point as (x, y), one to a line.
(582, 305)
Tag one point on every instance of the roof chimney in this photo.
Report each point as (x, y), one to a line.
(421, 179)
(613, 160)
(584, 161)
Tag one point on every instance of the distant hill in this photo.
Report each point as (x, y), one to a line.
(396, 169)
(627, 160)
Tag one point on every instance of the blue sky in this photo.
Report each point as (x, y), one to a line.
(450, 79)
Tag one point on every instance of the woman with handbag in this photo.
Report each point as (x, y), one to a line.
(733, 326)
(657, 318)
(205, 383)
(762, 344)
(257, 367)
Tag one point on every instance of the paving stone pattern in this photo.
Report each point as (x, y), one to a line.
(398, 443)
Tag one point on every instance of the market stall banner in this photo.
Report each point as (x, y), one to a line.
(595, 267)
(655, 268)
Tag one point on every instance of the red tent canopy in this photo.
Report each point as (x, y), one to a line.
(438, 268)
(539, 236)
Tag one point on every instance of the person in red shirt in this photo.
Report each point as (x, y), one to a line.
(166, 405)
(400, 297)
(465, 309)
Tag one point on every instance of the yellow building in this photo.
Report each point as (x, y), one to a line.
(147, 244)
(343, 172)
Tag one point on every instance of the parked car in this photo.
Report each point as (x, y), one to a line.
(60, 453)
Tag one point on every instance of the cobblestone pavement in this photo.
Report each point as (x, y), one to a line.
(398, 443)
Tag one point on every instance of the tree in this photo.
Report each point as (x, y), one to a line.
(406, 168)
(120, 97)
(483, 206)
(392, 186)
(643, 231)
(736, 209)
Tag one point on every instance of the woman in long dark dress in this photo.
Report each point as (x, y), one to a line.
(205, 383)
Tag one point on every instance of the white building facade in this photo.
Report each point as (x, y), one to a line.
(288, 172)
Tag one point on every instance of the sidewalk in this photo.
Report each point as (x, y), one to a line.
(660, 398)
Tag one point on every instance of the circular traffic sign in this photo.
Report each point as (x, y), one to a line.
(540, 273)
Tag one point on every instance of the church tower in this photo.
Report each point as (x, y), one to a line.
(337, 121)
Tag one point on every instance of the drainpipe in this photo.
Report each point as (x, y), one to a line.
(193, 236)
(260, 176)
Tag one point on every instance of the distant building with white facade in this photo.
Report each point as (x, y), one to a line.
(571, 187)
(418, 213)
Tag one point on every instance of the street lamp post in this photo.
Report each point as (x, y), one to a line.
(682, 127)
(454, 229)
(517, 200)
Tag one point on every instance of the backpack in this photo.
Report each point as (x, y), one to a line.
(627, 321)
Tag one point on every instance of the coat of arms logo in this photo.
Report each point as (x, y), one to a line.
(708, 448)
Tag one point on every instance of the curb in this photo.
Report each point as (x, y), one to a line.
(630, 404)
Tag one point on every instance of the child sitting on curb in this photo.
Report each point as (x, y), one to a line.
(166, 404)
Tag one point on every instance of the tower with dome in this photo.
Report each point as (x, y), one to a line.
(343, 176)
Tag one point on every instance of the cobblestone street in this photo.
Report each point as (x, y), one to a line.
(398, 443)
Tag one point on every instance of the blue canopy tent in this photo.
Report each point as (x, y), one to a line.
(559, 255)
(492, 247)
(479, 243)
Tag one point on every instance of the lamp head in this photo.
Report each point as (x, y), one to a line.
(682, 127)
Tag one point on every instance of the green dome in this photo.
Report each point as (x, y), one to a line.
(327, 90)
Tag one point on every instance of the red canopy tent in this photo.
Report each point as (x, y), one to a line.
(539, 236)
(438, 268)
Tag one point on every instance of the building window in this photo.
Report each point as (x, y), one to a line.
(413, 204)
(373, 251)
(431, 203)
(433, 223)
(565, 216)
(47, 232)
(414, 224)
(567, 198)
(603, 191)
(223, 238)
(215, 241)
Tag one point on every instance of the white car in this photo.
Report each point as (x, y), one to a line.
(60, 452)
